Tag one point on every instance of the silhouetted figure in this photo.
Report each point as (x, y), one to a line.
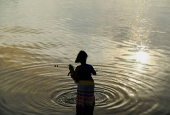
(85, 99)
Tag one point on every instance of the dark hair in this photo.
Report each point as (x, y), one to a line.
(81, 57)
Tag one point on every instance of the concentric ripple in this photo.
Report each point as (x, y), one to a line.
(43, 88)
(65, 99)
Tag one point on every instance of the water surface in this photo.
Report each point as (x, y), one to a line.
(127, 42)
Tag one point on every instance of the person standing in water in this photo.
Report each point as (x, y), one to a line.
(85, 99)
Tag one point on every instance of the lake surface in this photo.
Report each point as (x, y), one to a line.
(127, 42)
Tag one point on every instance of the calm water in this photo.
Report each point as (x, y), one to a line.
(128, 43)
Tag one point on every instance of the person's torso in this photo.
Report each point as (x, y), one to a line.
(84, 72)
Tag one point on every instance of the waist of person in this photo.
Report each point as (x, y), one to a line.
(86, 82)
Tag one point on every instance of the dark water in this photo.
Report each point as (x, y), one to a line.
(127, 42)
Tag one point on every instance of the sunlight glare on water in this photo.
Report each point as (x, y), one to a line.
(141, 57)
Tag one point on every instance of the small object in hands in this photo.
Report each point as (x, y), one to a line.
(70, 66)
(72, 72)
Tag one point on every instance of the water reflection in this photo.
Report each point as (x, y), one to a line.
(131, 79)
(141, 57)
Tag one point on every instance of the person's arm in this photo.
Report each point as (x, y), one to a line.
(68, 74)
(93, 72)
(75, 75)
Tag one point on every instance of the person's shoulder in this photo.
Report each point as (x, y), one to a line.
(89, 65)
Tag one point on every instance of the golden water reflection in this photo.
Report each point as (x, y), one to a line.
(141, 57)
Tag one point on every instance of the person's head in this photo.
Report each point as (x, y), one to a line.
(81, 57)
